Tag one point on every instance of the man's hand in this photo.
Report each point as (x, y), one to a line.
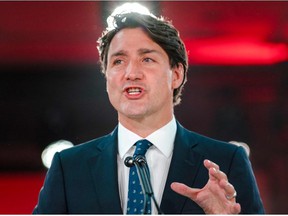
(218, 196)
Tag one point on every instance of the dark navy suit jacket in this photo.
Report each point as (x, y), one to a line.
(83, 179)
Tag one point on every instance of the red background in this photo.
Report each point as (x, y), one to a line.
(51, 87)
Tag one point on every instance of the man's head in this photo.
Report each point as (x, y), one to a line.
(159, 30)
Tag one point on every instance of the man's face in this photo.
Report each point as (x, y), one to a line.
(140, 82)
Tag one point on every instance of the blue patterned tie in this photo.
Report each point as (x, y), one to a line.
(136, 200)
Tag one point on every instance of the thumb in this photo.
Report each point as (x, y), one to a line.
(184, 190)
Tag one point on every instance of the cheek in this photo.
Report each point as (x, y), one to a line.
(111, 91)
(164, 84)
(169, 79)
(113, 85)
(109, 84)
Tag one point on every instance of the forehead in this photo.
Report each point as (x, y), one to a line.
(132, 39)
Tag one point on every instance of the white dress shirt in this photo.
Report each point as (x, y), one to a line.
(158, 158)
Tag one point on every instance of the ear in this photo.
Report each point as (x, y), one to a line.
(177, 76)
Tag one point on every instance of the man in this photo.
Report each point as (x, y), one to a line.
(145, 64)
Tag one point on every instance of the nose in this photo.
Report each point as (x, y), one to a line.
(133, 71)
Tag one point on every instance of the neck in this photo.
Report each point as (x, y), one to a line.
(144, 126)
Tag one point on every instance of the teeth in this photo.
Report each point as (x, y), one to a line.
(134, 90)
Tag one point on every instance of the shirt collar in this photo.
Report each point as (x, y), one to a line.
(162, 139)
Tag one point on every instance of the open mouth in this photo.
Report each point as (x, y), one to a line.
(133, 91)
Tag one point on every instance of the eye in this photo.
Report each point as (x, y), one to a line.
(117, 62)
(148, 60)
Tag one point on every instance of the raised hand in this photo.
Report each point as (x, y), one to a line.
(218, 196)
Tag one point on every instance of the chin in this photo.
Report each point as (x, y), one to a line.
(134, 115)
(133, 110)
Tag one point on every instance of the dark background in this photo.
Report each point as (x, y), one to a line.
(51, 87)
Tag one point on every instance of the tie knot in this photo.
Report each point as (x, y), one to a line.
(142, 147)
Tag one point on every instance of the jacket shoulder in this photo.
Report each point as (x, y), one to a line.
(203, 141)
(91, 146)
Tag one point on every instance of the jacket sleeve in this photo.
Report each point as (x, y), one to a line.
(52, 195)
(241, 176)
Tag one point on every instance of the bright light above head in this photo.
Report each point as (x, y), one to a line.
(131, 7)
(127, 8)
(49, 151)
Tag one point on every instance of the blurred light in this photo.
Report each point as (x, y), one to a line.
(242, 144)
(236, 52)
(127, 8)
(50, 150)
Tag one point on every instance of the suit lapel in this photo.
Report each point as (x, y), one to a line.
(103, 166)
(184, 167)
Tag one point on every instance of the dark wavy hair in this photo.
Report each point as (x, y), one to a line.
(161, 31)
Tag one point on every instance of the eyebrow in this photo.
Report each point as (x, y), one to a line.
(141, 51)
(147, 51)
(119, 53)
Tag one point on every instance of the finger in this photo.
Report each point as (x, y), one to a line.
(209, 164)
(229, 190)
(184, 190)
(217, 174)
(236, 209)
(228, 187)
